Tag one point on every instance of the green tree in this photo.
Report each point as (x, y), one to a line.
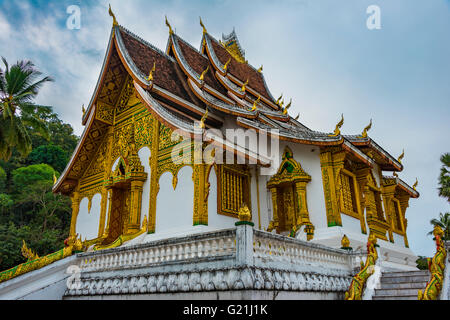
(444, 177)
(444, 223)
(2, 180)
(18, 88)
(27, 176)
(51, 155)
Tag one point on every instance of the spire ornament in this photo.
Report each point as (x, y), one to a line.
(278, 100)
(83, 110)
(260, 69)
(298, 116)
(337, 130)
(170, 28)
(364, 133)
(113, 16)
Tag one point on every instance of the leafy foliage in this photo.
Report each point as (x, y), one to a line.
(19, 85)
(444, 177)
(444, 223)
(422, 263)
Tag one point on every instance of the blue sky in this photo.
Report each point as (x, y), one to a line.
(319, 52)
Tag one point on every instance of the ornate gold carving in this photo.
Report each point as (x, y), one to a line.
(150, 75)
(113, 16)
(345, 243)
(170, 28)
(364, 133)
(244, 214)
(104, 113)
(255, 104)
(287, 107)
(202, 76)
(203, 26)
(225, 66)
(358, 283)
(436, 265)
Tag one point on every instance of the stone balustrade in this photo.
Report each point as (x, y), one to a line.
(208, 245)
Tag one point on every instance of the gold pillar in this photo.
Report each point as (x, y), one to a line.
(361, 178)
(154, 185)
(404, 204)
(75, 198)
(135, 202)
(388, 195)
(329, 188)
(275, 208)
(103, 206)
(200, 191)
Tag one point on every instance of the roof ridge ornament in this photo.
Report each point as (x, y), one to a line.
(202, 76)
(113, 16)
(83, 110)
(337, 130)
(260, 69)
(243, 86)
(278, 100)
(287, 107)
(401, 156)
(225, 66)
(150, 75)
(255, 103)
(298, 116)
(202, 120)
(364, 133)
(415, 184)
(170, 28)
(203, 26)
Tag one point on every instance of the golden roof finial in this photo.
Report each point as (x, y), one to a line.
(260, 69)
(54, 178)
(415, 184)
(401, 156)
(278, 100)
(150, 75)
(225, 66)
(202, 76)
(243, 86)
(202, 120)
(83, 109)
(395, 174)
(170, 28)
(298, 116)
(364, 133)
(287, 107)
(203, 26)
(255, 103)
(281, 103)
(113, 16)
(337, 130)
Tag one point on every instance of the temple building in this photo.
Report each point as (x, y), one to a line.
(126, 187)
(191, 177)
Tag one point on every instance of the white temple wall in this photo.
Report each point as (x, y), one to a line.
(88, 222)
(398, 239)
(264, 201)
(309, 159)
(144, 155)
(351, 224)
(216, 220)
(174, 208)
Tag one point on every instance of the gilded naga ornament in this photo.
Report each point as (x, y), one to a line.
(202, 76)
(415, 184)
(287, 107)
(170, 28)
(150, 75)
(244, 85)
(113, 16)
(255, 104)
(260, 69)
(358, 283)
(401, 156)
(203, 26)
(436, 265)
(279, 99)
(337, 130)
(364, 133)
(225, 66)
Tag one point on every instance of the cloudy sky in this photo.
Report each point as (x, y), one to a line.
(319, 52)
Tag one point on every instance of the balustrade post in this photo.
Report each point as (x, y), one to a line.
(244, 242)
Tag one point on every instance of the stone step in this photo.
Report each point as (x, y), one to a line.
(406, 273)
(404, 279)
(397, 292)
(403, 285)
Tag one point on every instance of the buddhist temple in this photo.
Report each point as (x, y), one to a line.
(189, 143)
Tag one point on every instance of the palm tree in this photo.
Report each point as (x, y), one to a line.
(444, 177)
(444, 223)
(18, 113)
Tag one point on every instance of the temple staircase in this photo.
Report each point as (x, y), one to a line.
(401, 285)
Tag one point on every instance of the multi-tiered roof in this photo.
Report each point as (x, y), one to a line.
(180, 84)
